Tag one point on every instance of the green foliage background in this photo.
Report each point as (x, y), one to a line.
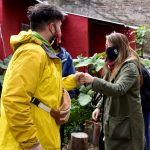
(79, 114)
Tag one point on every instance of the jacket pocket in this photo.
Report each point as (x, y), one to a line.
(119, 128)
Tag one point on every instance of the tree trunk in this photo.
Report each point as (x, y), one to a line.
(79, 141)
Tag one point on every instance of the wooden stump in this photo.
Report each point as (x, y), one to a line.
(96, 133)
(79, 141)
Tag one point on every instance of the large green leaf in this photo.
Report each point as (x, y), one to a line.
(94, 58)
(84, 99)
(82, 89)
(90, 92)
(84, 63)
(79, 60)
(101, 55)
(7, 59)
(146, 63)
(99, 64)
(1, 79)
(2, 65)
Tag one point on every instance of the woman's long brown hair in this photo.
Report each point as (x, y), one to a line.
(120, 41)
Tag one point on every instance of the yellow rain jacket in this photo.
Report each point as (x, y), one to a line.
(32, 72)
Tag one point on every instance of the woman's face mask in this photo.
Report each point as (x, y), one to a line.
(112, 53)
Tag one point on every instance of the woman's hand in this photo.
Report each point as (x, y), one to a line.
(82, 78)
(88, 78)
(96, 114)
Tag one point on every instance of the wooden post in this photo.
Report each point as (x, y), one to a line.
(96, 133)
(88, 128)
(79, 141)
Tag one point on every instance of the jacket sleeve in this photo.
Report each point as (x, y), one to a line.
(100, 103)
(69, 82)
(19, 86)
(128, 75)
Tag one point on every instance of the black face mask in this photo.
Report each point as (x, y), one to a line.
(112, 53)
(56, 44)
(53, 39)
(54, 36)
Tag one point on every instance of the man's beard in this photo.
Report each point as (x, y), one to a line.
(54, 37)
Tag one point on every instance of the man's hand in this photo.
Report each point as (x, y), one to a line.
(78, 77)
(35, 147)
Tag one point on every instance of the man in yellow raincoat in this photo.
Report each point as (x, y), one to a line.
(34, 71)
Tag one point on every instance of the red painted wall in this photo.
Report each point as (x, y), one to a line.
(131, 34)
(1, 11)
(75, 33)
(1, 44)
(97, 32)
(13, 15)
(80, 34)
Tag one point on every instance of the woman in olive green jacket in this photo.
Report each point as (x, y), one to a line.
(122, 115)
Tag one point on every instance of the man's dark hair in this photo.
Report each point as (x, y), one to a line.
(42, 14)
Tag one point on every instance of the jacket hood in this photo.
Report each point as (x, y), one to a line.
(22, 38)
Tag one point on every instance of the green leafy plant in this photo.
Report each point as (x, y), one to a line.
(146, 63)
(82, 107)
(140, 33)
(94, 64)
(3, 66)
(140, 38)
(79, 114)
